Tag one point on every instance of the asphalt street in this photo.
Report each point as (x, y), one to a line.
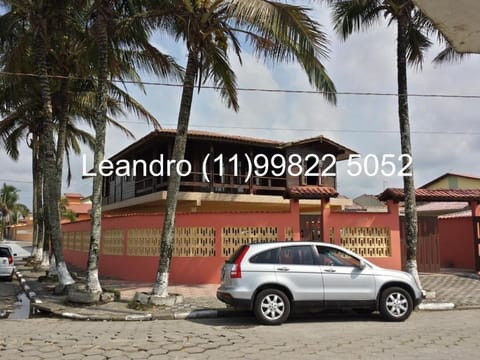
(426, 335)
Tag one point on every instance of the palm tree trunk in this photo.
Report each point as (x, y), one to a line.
(62, 120)
(168, 232)
(408, 181)
(93, 283)
(34, 147)
(39, 189)
(46, 229)
(52, 198)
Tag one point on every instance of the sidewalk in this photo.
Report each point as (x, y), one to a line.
(199, 300)
(461, 290)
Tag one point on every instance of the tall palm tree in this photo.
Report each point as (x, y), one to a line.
(413, 29)
(103, 11)
(211, 30)
(118, 23)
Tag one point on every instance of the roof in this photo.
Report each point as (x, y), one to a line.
(367, 200)
(213, 136)
(73, 195)
(442, 206)
(79, 208)
(457, 215)
(449, 174)
(396, 194)
(310, 192)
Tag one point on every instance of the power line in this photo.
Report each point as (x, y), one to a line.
(17, 181)
(247, 89)
(372, 131)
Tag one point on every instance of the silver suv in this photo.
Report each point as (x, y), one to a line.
(7, 264)
(272, 278)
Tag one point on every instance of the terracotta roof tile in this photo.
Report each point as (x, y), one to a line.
(214, 135)
(397, 194)
(310, 192)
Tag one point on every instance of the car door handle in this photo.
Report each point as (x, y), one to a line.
(283, 269)
(329, 270)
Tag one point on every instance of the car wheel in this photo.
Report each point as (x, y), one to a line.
(272, 307)
(395, 304)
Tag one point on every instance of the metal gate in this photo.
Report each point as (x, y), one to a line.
(428, 256)
(476, 239)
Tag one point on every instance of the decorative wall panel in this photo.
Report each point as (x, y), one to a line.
(288, 234)
(112, 242)
(68, 240)
(82, 240)
(194, 241)
(233, 237)
(367, 241)
(189, 241)
(144, 242)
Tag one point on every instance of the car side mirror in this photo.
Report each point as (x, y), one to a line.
(362, 264)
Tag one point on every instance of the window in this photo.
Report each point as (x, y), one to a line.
(4, 252)
(296, 255)
(334, 257)
(266, 257)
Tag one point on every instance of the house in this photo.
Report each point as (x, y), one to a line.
(78, 205)
(444, 240)
(453, 181)
(369, 203)
(457, 247)
(219, 170)
(233, 190)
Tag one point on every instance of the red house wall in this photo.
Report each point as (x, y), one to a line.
(456, 243)
(183, 270)
(206, 269)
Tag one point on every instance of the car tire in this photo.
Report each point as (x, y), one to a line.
(395, 304)
(271, 307)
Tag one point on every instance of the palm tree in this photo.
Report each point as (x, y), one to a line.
(117, 22)
(413, 29)
(10, 209)
(210, 30)
(67, 55)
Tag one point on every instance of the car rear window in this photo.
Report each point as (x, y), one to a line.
(4, 252)
(235, 255)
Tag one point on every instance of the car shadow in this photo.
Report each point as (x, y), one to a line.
(248, 320)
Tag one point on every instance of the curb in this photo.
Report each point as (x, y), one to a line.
(32, 295)
(174, 315)
(436, 306)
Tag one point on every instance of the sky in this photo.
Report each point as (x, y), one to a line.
(445, 132)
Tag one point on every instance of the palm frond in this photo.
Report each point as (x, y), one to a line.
(417, 44)
(449, 55)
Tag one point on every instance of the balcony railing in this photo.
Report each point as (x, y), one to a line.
(196, 182)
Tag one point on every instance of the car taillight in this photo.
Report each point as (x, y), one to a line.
(10, 260)
(236, 271)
